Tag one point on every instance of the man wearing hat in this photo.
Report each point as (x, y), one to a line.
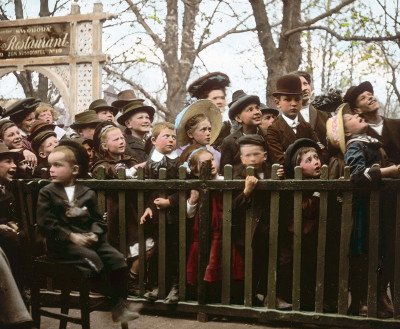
(137, 119)
(212, 86)
(268, 117)
(104, 111)
(85, 123)
(245, 109)
(288, 127)
(316, 119)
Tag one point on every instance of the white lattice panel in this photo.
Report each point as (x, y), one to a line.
(63, 71)
(84, 87)
(85, 39)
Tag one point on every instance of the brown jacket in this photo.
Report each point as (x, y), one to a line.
(318, 123)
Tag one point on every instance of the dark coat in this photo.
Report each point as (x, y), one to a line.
(318, 123)
(225, 131)
(109, 165)
(136, 148)
(280, 136)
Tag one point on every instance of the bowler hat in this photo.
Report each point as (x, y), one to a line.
(21, 108)
(86, 118)
(353, 92)
(202, 106)
(5, 152)
(40, 138)
(289, 84)
(335, 128)
(291, 154)
(239, 101)
(252, 139)
(125, 97)
(208, 82)
(81, 156)
(37, 127)
(265, 109)
(101, 105)
(100, 129)
(133, 107)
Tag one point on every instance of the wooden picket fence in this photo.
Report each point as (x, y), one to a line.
(28, 190)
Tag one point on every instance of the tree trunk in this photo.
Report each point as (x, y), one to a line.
(44, 8)
(19, 12)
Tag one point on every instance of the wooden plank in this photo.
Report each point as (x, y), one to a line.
(373, 253)
(122, 214)
(141, 238)
(182, 237)
(323, 214)
(273, 243)
(101, 194)
(248, 252)
(162, 253)
(298, 228)
(226, 240)
(396, 286)
(345, 234)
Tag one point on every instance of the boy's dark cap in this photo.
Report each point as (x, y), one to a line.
(86, 118)
(40, 138)
(125, 97)
(100, 129)
(82, 141)
(239, 101)
(353, 92)
(208, 82)
(303, 74)
(4, 125)
(38, 126)
(265, 109)
(252, 139)
(5, 152)
(291, 154)
(289, 84)
(21, 108)
(81, 156)
(101, 105)
(133, 107)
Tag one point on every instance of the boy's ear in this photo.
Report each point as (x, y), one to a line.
(276, 100)
(238, 118)
(75, 170)
(153, 140)
(347, 133)
(356, 110)
(265, 155)
(42, 155)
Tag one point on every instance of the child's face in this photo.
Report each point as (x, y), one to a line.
(311, 165)
(354, 124)
(115, 142)
(366, 102)
(250, 115)
(46, 116)
(48, 146)
(61, 171)
(27, 122)
(12, 138)
(7, 169)
(267, 119)
(202, 133)
(203, 157)
(106, 115)
(89, 151)
(166, 141)
(139, 123)
(289, 104)
(86, 132)
(253, 155)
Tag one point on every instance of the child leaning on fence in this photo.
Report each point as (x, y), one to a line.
(75, 231)
(361, 152)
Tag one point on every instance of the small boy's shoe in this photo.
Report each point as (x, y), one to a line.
(151, 296)
(173, 296)
(133, 286)
(281, 304)
(121, 313)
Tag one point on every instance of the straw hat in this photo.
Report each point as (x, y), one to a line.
(202, 106)
(335, 128)
(125, 97)
(101, 105)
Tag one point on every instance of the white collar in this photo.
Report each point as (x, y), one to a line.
(291, 122)
(376, 125)
(23, 133)
(157, 156)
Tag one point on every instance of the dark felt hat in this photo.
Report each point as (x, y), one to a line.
(291, 154)
(86, 118)
(131, 108)
(289, 84)
(303, 74)
(40, 138)
(353, 92)
(252, 139)
(5, 152)
(21, 108)
(207, 83)
(82, 141)
(100, 128)
(125, 97)
(101, 105)
(239, 101)
(81, 156)
(4, 125)
(37, 127)
(265, 109)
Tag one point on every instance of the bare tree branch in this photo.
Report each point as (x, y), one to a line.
(206, 28)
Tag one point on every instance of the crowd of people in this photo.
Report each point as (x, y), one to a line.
(300, 130)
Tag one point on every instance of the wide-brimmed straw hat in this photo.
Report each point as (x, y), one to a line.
(101, 105)
(202, 106)
(335, 128)
(239, 101)
(86, 118)
(133, 107)
(125, 97)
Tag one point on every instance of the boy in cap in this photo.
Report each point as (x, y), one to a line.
(74, 229)
(43, 144)
(104, 111)
(85, 123)
(287, 127)
(245, 109)
(268, 117)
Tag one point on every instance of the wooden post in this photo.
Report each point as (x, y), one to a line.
(182, 237)
(141, 239)
(396, 290)
(162, 253)
(122, 214)
(248, 252)
(101, 194)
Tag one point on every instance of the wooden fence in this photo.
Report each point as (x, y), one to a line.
(27, 191)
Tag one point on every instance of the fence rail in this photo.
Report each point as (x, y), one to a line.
(27, 194)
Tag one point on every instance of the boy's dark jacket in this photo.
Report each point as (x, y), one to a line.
(51, 213)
